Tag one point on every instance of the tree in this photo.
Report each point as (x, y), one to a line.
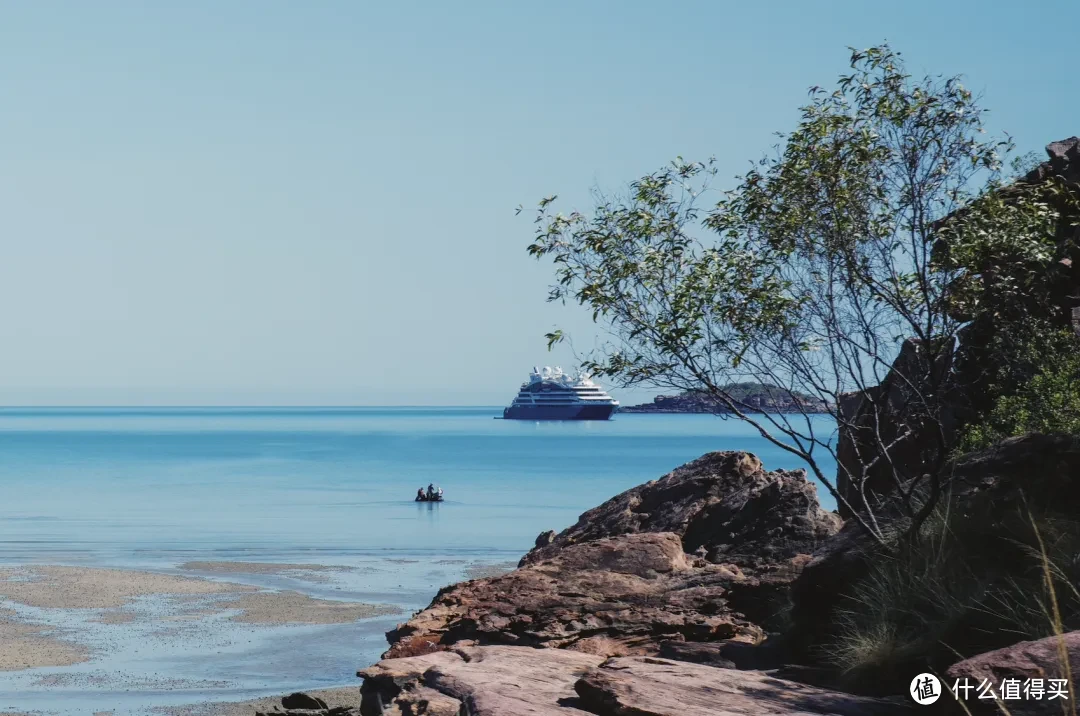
(816, 273)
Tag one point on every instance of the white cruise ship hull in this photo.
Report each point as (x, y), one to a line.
(551, 394)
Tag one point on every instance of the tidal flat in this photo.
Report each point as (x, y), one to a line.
(78, 639)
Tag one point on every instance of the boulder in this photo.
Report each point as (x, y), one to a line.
(728, 654)
(825, 584)
(611, 596)
(1064, 162)
(504, 680)
(416, 700)
(724, 506)
(300, 700)
(1026, 660)
(647, 686)
(545, 538)
(384, 681)
(481, 681)
(1044, 468)
(620, 581)
(918, 399)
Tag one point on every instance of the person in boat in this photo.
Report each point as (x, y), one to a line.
(431, 491)
(420, 494)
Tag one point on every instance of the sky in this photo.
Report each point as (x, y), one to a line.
(267, 202)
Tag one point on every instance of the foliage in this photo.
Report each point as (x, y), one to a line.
(809, 275)
(1013, 252)
(1003, 247)
(1046, 400)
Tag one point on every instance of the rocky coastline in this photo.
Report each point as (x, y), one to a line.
(752, 398)
(692, 593)
(659, 601)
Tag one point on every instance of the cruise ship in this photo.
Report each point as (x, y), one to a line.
(551, 394)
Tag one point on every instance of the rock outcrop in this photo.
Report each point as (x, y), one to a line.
(620, 581)
(646, 686)
(609, 596)
(724, 506)
(301, 704)
(1027, 660)
(486, 681)
(1039, 470)
(502, 680)
(913, 411)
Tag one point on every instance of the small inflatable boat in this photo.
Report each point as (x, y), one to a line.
(430, 496)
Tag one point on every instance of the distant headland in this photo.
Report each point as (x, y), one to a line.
(756, 397)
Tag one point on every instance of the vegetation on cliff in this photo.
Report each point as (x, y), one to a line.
(751, 397)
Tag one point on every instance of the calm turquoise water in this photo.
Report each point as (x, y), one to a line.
(153, 489)
(114, 481)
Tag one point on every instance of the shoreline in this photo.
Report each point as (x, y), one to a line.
(196, 637)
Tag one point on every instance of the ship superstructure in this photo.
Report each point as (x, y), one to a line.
(551, 394)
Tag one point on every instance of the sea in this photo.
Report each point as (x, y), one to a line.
(152, 488)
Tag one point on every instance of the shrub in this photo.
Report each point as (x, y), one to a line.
(970, 584)
(1045, 401)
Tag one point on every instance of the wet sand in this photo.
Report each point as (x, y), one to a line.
(136, 598)
(306, 572)
(52, 587)
(296, 608)
(26, 646)
(203, 637)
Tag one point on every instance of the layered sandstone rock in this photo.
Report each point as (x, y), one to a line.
(620, 581)
(610, 596)
(481, 681)
(501, 680)
(646, 686)
(724, 506)
(1020, 662)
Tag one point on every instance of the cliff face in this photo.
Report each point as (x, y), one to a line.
(752, 397)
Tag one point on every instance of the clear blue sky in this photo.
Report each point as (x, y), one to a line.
(271, 202)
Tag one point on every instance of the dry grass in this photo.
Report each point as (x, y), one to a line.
(963, 588)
